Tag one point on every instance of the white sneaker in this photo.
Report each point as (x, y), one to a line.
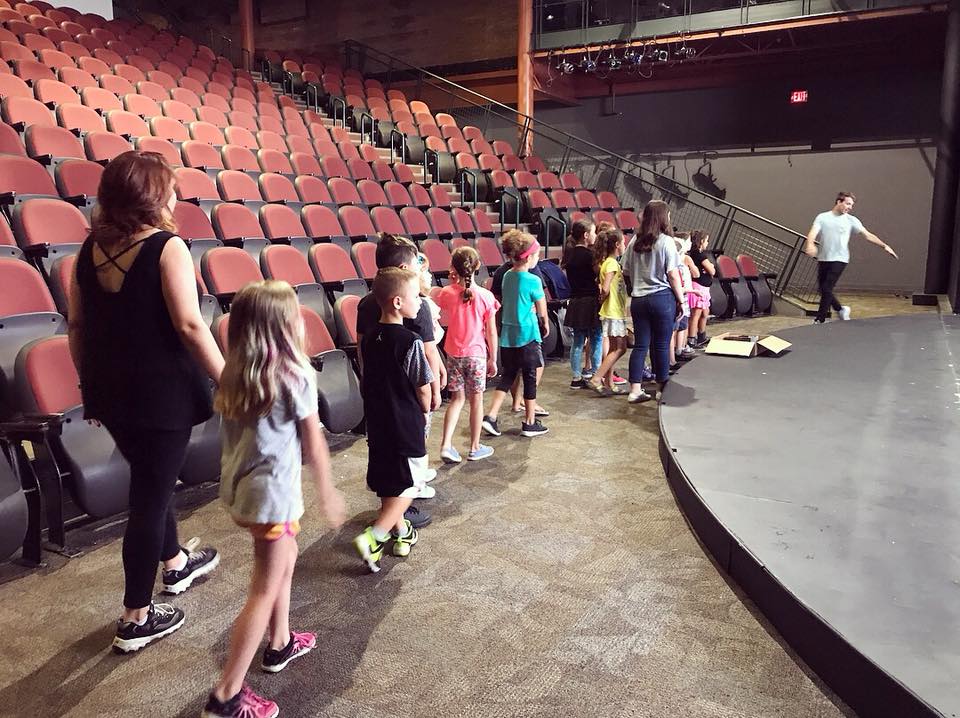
(426, 492)
(845, 313)
(429, 475)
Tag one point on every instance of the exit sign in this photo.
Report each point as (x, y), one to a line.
(798, 97)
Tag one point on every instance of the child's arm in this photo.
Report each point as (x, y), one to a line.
(492, 339)
(439, 374)
(694, 272)
(542, 313)
(316, 456)
(425, 396)
(605, 287)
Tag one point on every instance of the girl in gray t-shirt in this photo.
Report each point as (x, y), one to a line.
(268, 401)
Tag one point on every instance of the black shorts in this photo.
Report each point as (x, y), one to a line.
(523, 360)
(390, 474)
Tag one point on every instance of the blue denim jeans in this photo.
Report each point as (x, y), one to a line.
(653, 318)
(576, 350)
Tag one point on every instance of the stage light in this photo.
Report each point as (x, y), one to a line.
(704, 181)
(614, 62)
(588, 65)
(661, 55)
(566, 67)
(550, 17)
(632, 57)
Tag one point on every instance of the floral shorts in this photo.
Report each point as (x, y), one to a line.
(467, 374)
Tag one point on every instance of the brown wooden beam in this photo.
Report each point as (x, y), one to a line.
(524, 75)
(246, 33)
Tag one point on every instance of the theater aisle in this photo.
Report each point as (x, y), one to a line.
(558, 579)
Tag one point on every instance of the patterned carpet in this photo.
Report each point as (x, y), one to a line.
(558, 579)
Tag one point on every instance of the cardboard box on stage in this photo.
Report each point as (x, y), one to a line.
(745, 345)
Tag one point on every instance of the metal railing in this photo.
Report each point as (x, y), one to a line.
(733, 229)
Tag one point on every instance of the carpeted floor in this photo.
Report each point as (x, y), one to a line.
(558, 579)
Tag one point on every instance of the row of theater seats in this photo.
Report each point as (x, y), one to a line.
(741, 289)
(64, 72)
(75, 466)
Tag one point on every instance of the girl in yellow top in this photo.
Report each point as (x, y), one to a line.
(613, 310)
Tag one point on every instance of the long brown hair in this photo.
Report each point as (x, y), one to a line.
(133, 194)
(466, 262)
(606, 245)
(698, 239)
(655, 221)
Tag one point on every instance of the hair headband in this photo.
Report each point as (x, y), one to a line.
(535, 247)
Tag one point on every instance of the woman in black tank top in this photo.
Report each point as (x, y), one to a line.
(145, 358)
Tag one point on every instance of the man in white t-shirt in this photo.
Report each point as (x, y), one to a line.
(834, 229)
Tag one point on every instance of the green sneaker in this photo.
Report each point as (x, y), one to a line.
(369, 548)
(402, 544)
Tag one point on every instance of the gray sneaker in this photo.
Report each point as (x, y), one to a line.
(482, 452)
(450, 456)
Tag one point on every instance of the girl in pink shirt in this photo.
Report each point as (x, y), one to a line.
(471, 348)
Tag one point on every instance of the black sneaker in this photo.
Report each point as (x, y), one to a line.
(199, 563)
(534, 429)
(162, 620)
(417, 517)
(300, 644)
(577, 384)
(489, 426)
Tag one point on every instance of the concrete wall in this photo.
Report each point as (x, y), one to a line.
(104, 8)
(894, 189)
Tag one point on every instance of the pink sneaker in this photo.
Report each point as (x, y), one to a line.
(299, 645)
(618, 380)
(246, 704)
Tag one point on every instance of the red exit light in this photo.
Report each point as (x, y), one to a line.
(798, 97)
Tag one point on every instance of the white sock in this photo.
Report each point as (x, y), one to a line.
(183, 561)
(379, 534)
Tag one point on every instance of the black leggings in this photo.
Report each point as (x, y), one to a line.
(523, 360)
(156, 457)
(827, 275)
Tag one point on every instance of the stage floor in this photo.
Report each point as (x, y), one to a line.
(835, 471)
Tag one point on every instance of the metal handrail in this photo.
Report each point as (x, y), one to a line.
(531, 125)
(364, 116)
(342, 104)
(428, 176)
(403, 146)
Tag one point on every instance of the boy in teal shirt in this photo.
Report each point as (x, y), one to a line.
(523, 302)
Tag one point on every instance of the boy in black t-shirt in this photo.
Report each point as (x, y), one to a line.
(396, 398)
(400, 252)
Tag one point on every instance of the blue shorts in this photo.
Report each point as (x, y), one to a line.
(682, 323)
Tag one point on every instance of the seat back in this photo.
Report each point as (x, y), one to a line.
(50, 222)
(226, 270)
(235, 186)
(78, 178)
(234, 222)
(281, 261)
(330, 263)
